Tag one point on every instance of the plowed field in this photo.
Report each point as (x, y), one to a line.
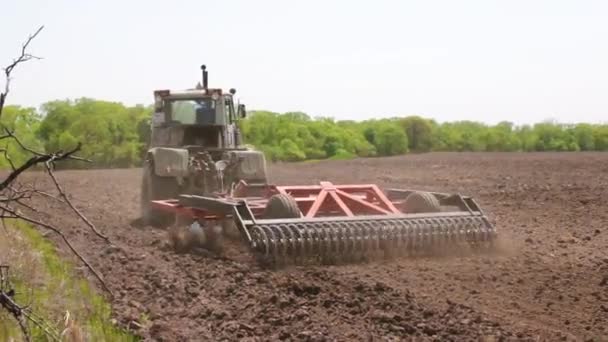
(549, 281)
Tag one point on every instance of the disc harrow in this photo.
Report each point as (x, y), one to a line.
(341, 221)
(366, 236)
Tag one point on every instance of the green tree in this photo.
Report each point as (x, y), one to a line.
(553, 137)
(503, 138)
(419, 133)
(600, 137)
(24, 123)
(583, 135)
(112, 134)
(290, 151)
(391, 140)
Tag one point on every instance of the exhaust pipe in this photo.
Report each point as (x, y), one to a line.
(205, 76)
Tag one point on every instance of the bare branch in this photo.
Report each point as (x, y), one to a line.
(11, 134)
(8, 158)
(15, 197)
(67, 200)
(21, 313)
(46, 194)
(24, 57)
(65, 240)
(37, 160)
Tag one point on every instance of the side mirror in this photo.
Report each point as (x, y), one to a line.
(242, 111)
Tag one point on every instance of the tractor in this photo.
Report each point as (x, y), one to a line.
(201, 180)
(195, 148)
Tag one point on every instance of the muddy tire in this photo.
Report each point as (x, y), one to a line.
(420, 202)
(282, 206)
(154, 187)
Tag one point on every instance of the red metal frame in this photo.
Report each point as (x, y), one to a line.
(327, 199)
(323, 200)
(173, 206)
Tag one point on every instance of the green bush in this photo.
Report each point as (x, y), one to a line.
(115, 135)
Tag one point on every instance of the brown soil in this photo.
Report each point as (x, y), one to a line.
(548, 281)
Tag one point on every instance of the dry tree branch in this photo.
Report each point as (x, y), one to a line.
(46, 194)
(8, 158)
(24, 57)
(7, 302)
(9, 195)
(20, 216)
(44, 158)
(69, 203)
(11, 134)
(12, 197)
(48, 159)
(22, 314)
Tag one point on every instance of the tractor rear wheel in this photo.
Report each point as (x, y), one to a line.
(156, 188)
(282, 206)
(420, 202)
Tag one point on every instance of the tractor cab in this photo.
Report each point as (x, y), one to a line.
(201, 117)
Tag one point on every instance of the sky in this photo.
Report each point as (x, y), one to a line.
(486, 60)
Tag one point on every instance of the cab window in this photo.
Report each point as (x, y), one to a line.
(229, 109)
(193, 111)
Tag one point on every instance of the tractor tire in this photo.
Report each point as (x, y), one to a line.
(156, 188)
(420, 202)
(282, 206)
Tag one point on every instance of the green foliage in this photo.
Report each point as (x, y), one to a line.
(600, 137)
(115, 135)
(343, 154)
(63, 291)
(419, 133)
(24, 122)
(583, 135)
(289, 151)
(324, 138)
(112, 134)
(295, 136)
(391, 140)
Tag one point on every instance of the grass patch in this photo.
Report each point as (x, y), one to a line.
(52, 288)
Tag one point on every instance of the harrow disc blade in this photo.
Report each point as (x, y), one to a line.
(310, 238)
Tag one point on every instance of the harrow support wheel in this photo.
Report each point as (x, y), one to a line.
(279, 206)
(420, 202)
(154, 187)
(282, 206)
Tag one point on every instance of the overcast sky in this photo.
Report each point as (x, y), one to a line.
(523, 61)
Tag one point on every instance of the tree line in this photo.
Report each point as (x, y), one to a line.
(115, 135)
(296, 136)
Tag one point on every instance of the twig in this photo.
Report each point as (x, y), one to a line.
(46, 194)
(24, 57)
(11, 197)
(69, 203)
(65, 239)
(11, 134)
(7, 302)
(21, 313)
(3, 224)
(34, 161)
(8, 158)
